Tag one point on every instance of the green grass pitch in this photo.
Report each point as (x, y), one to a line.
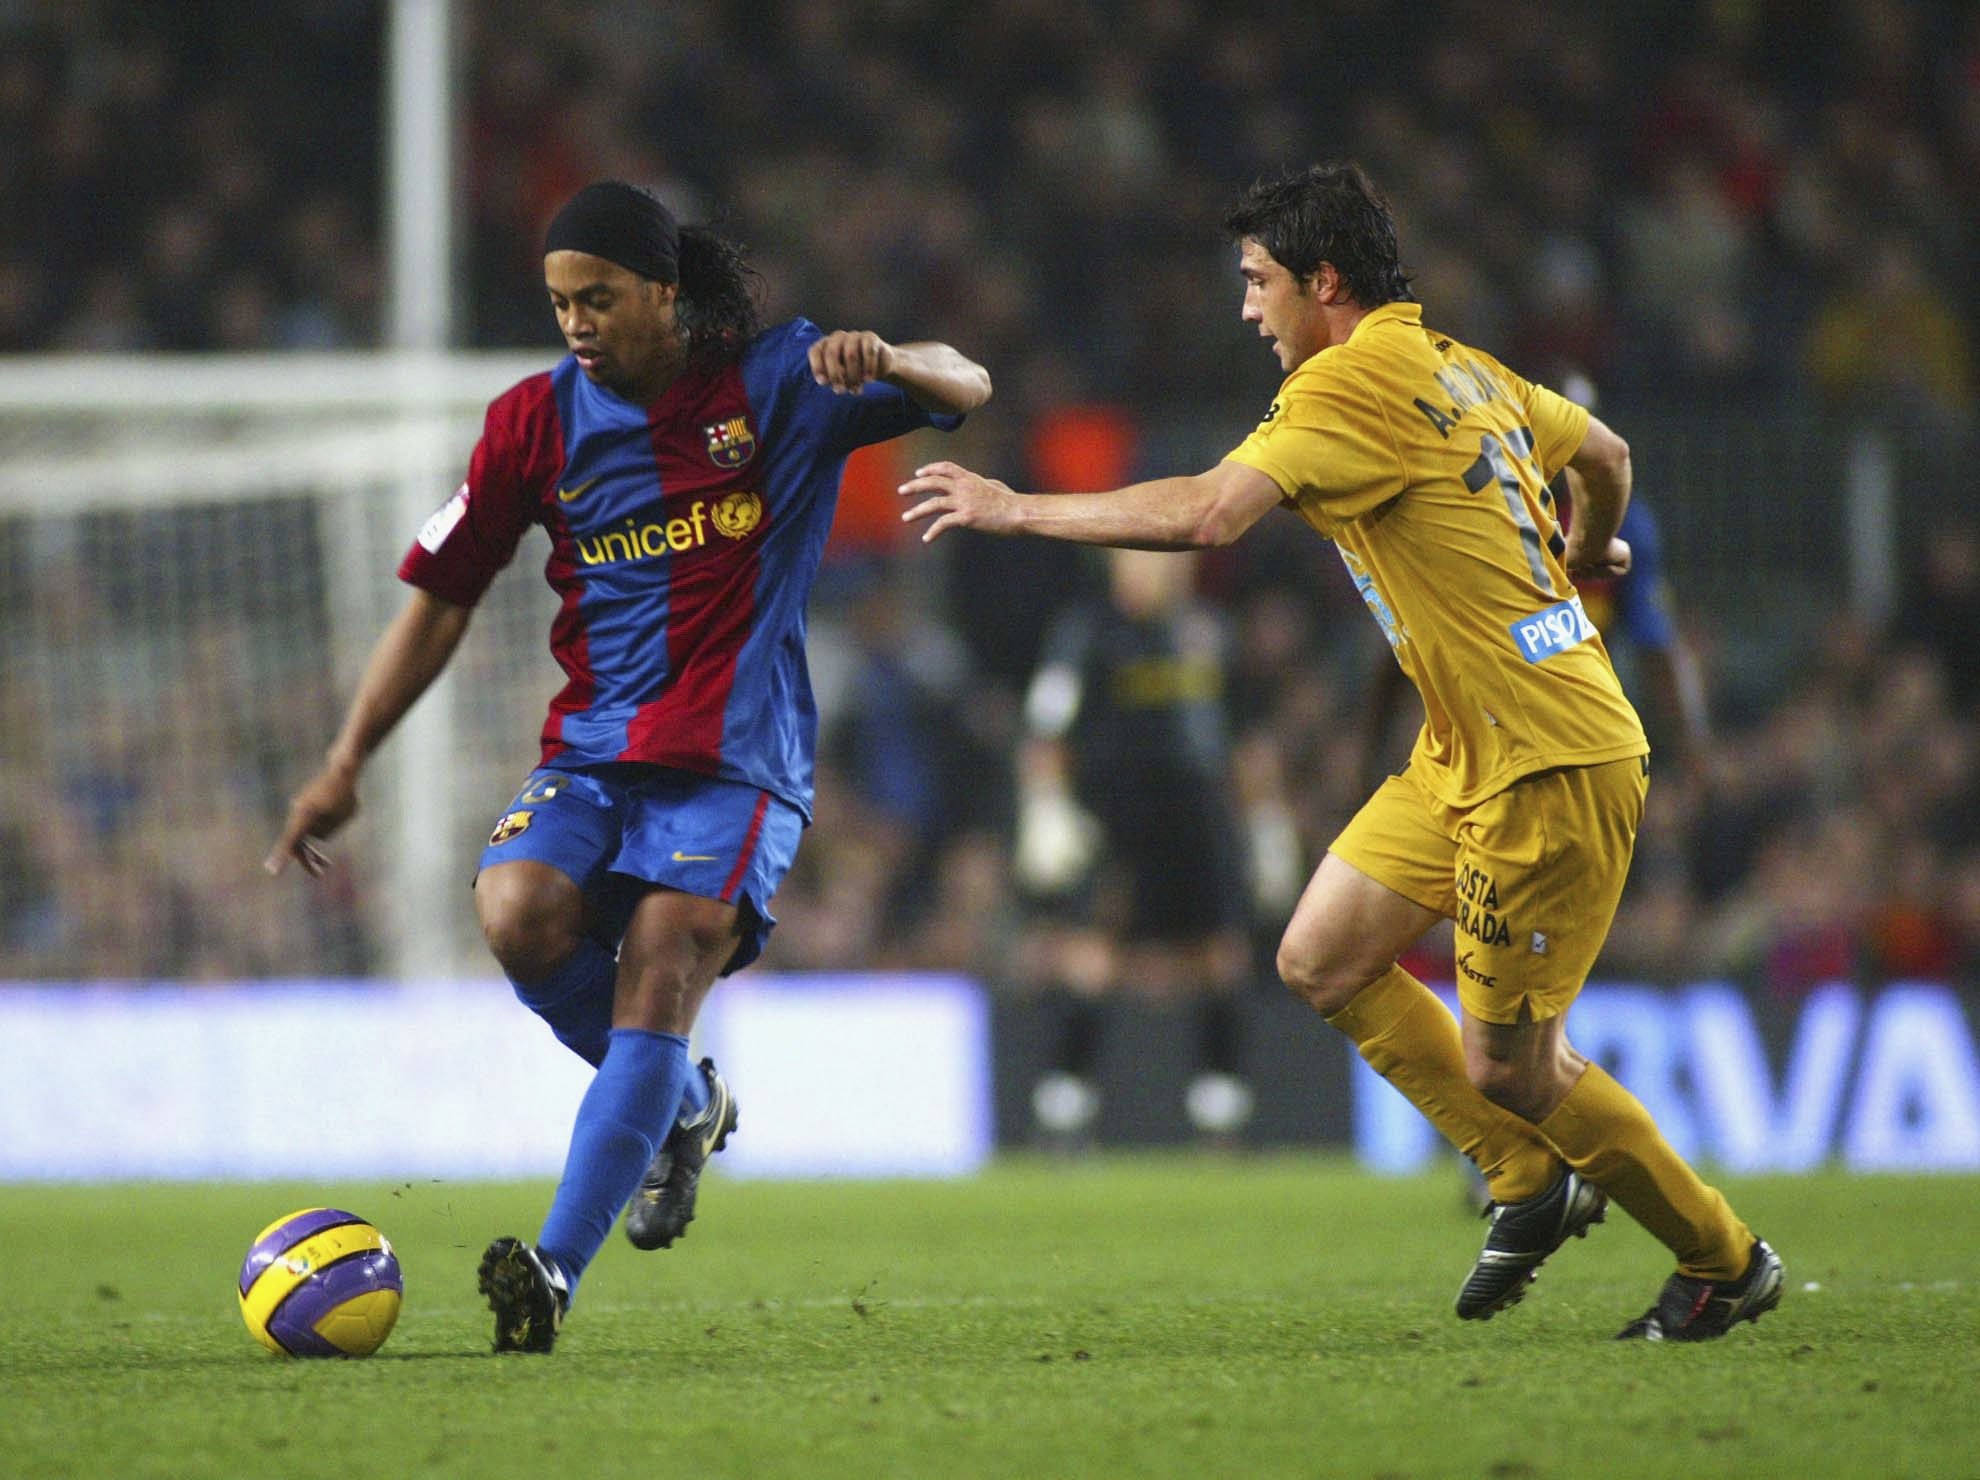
(1138, 1316)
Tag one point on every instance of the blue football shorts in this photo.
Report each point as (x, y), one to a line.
(617, 829)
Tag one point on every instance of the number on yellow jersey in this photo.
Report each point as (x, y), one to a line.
(1495, 465)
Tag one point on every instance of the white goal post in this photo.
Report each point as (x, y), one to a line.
(196, 555)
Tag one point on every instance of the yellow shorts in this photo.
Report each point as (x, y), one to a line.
(1531, 876)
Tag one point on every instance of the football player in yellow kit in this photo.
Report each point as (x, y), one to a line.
(1424, 460)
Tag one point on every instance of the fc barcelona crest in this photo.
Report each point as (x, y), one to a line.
(510, 826)
(731, 443)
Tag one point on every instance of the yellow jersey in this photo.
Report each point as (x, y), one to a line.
(1425, 462)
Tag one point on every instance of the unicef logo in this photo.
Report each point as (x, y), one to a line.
(736, 514)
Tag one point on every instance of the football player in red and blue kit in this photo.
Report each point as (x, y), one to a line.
(685, 463)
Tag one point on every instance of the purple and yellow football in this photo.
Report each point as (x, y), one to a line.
(321, 1283)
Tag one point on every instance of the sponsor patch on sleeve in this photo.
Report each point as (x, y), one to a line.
(434, 532)
(1552, 630)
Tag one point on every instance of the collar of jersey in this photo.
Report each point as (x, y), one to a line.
(1411, 313)
(1387, 313)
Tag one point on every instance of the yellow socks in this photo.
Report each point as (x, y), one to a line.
(1600, 1129)
(1408, 1037)
(1606, 1135)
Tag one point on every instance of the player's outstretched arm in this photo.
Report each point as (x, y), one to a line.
(1598, 482)
(1191, 513)
(408, 657)
(938, 377)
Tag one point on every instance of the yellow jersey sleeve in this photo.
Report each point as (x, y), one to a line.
(1329, 447)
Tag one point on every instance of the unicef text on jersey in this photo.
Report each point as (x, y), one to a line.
(1554, 630)
(733, 516)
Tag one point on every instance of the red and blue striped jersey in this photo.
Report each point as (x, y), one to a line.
(684, 539)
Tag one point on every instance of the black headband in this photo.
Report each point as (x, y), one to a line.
(621, 223)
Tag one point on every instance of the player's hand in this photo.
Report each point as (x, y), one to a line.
(959, 499)
(847, 359)
(318, 810)
(1581, 564)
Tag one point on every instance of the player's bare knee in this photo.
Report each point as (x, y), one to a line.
(1500, 1082)
(529, 951)
(1326, 982)
(1526, 1090)
(1295, 971)
(530, 931)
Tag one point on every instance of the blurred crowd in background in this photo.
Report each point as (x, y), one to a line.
(1759, 211)
(1677, 196)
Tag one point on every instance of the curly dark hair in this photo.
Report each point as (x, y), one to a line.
(721, 299)
(1326, 213)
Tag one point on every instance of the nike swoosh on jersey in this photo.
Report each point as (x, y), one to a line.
(565, 495)
(680, 857)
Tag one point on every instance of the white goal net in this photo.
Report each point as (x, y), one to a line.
(195, 558)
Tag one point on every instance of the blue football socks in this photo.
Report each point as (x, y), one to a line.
(622, 1120)
(576, 1000)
